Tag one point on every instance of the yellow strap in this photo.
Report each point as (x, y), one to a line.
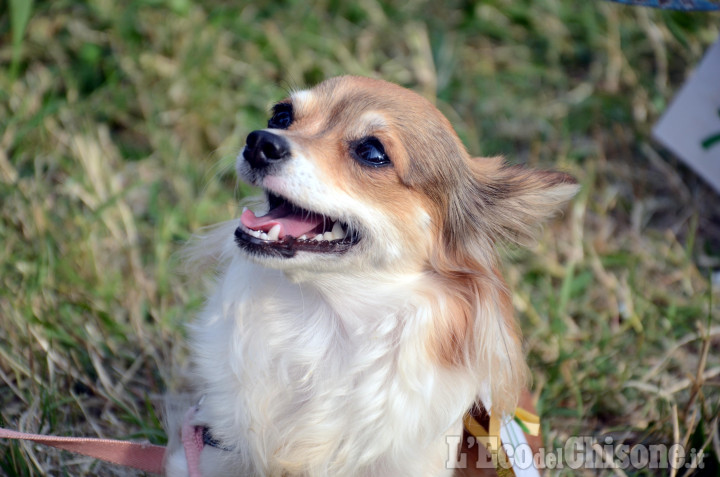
(501, 472)
(474, 427)
(494, 426)
(530, 421)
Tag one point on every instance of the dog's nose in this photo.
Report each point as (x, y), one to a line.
(264, 148)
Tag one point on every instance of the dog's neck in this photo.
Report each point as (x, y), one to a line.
(353, 294)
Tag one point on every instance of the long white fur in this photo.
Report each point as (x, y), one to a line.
(330, 379)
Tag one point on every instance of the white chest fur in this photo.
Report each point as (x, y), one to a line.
(331, 378)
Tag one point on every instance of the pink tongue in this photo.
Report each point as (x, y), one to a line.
(293, 225)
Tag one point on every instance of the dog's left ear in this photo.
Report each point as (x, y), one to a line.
(516, 199)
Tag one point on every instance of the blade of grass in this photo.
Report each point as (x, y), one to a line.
(19, 17)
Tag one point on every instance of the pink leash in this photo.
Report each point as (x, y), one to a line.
(192, 440)
(145, 457)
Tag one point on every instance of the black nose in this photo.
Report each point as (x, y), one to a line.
(264, 148)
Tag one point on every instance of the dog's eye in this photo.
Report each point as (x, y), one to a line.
(371, 152)
(282, 116)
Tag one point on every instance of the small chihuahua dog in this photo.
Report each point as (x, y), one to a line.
(360, 312)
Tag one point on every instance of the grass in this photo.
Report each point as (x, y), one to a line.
(119, 122)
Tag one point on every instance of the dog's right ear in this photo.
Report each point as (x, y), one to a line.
(515, 199)
(500, 202)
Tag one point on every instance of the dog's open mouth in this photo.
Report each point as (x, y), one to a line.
(287, 229)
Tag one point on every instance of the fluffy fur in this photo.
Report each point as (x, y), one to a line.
(360, 363)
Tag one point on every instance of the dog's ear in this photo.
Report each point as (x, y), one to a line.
(515, 199)
(493, 201)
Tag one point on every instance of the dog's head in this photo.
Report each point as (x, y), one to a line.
(362, 171)
(363, 175)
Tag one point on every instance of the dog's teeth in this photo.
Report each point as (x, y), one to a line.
(337, 231)
(328, 236)
(274, 232)
(302, 237)
(255, 233)
(318, 238)
(263, 235)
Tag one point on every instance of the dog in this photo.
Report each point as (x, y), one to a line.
(360, 311)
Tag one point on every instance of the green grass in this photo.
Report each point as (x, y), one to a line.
(119, 122)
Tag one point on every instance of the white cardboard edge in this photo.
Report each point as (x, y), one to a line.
(693, 116)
